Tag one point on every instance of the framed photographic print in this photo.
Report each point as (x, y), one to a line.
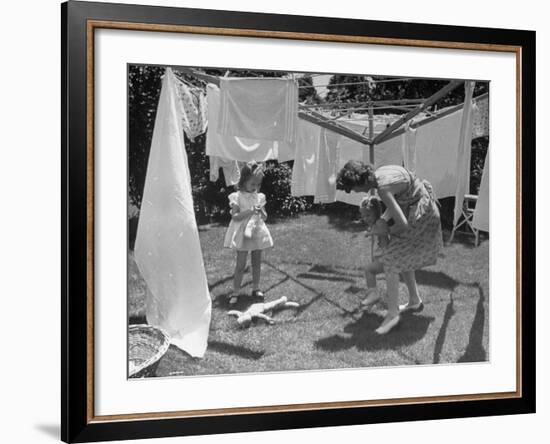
(275, 221)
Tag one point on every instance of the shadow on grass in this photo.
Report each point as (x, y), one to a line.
(475, 352)
(436, 279)
(235, 350)
(440, 340)
(363, 336)
(318, 295)
(324, 277)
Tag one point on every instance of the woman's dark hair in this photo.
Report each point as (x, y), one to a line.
(354, 173)
(248, 170)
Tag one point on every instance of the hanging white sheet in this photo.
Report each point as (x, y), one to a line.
(256, 108)
(167, 249)
(436, 153)
(239, 148)
(327, 166)
(304, 171)
(408, 147)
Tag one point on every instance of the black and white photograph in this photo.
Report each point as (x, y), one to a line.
(283, 221)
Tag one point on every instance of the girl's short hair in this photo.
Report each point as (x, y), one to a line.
(354, 173)
(248, 170)
(372, 203)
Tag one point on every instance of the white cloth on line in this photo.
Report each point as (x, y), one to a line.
(231, 170)
(304, 171)
(239, 148)
(464, 152)
(481, 212)
(167, 249)
(408, 147)
(259, 108)
(327, 166)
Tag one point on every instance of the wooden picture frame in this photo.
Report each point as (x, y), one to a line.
(79, 22)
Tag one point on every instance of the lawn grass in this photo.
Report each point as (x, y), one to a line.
(318, 262)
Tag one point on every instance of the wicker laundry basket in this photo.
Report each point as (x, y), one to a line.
(146, 346)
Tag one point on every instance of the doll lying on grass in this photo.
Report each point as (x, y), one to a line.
(377, 228)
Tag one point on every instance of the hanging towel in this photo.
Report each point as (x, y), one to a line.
(167, 250)
(327, 166)
(480, 124)
(239, 148)
(192, 108)
(408, 147)
(264, 109)
(304, 171)
(464, 152)
(231, 170)
(481, 213)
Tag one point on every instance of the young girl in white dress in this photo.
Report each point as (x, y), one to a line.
(247, 231)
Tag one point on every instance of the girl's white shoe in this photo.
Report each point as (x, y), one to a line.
(388, 326)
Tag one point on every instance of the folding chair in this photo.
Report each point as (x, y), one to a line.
(467, 217)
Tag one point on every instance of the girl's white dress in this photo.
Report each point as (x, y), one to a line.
(234, 237)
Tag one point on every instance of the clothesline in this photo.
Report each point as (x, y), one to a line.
(397, 79)
(365, 103)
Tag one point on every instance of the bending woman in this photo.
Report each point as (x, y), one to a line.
(415, 237)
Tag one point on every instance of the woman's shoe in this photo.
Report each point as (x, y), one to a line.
(419, 306)
(388, 326)
(373, 296)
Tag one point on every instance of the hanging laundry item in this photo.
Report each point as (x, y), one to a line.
(327, 166)
(193, 109)
(436, 148)
(480, 123)
(231, 170)
(481, 213)
(408, 147)
(167, 249)
(464, 152)
(239, 148)
(304, 171)
(264, 109)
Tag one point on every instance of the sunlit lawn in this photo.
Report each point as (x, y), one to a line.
(318, 261)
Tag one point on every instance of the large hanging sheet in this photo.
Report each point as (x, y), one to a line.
(167, 249)
(238, 148)
(256, 108)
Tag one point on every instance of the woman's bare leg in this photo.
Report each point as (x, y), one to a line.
(392, 282)
(410, 279)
